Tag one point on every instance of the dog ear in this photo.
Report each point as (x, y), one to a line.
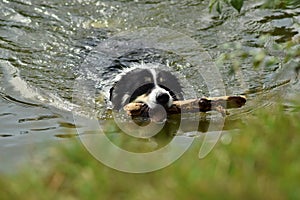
(170, 83)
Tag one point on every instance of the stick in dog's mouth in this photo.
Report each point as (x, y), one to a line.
(219, 104)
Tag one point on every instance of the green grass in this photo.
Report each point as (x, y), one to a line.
(261, 162)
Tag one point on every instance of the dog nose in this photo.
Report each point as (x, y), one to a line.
(162, 98)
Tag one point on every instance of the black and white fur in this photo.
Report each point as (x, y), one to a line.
(146, 83)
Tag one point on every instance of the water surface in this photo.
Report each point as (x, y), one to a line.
(44, 44)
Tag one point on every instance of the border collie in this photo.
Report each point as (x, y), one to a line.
(146, 83)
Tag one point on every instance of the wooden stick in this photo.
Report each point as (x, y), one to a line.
(191, 106)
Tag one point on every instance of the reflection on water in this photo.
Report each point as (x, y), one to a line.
(44, 43)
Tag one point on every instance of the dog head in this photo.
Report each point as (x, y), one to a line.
(147, 84)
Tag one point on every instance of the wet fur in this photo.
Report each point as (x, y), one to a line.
(138, 83)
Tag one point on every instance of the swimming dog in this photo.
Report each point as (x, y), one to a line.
(145, 83)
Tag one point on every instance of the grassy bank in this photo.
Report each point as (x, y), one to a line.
(261, 162)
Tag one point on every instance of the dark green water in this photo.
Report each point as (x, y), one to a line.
(43, 45)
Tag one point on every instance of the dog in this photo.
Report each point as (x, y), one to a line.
(146, 83)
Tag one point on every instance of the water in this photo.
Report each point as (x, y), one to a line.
(44, 46)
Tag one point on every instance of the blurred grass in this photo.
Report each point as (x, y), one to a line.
(261, 162)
